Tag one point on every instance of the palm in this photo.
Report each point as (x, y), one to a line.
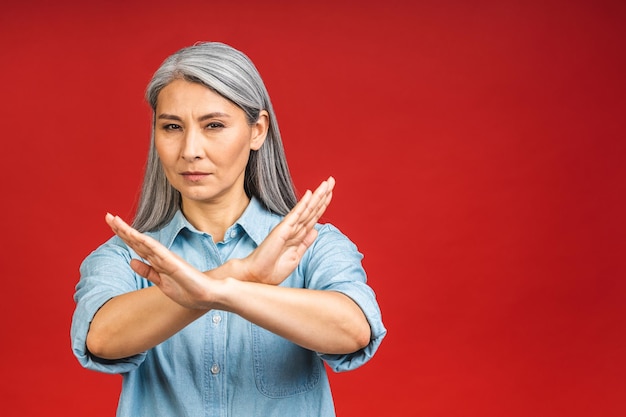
(282, 250)
(173, 275)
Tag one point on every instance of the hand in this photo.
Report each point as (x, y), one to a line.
(173, 275)
(270, 263)
(279, 254)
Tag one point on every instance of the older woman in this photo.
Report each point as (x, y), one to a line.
(226, 297)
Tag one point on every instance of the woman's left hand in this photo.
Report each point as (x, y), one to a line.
(280, 253)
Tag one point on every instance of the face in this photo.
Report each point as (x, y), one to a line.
(204, 142)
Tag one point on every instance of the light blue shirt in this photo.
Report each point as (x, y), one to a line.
(221, 364)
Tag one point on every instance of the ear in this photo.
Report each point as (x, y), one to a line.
(259, 130)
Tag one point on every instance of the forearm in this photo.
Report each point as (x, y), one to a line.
(323, 321)
(136, 321)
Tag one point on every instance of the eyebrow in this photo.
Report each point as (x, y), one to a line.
(202, 118)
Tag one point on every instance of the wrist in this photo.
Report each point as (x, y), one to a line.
(239, 269)
(224, 291)
(233, 268)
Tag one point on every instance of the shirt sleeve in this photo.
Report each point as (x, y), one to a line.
(334, 264)
(104, 274)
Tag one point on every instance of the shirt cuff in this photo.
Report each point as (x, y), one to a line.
(365, 298)
(85, 311)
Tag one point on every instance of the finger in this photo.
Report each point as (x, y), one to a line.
(297, 211)
(307, 241)
(323, 204)
(302, 204)
(331, 183)
(109, 219)
(320, 195)
(120, 228)
(145, 271)
(135, 243)
(143, 245)
(309, 209)
(319, 202)
(321, 209)
(304, 217)
(116, 223)
(319, 192)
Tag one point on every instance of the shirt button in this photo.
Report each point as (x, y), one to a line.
(215, 369)
(233, 233)
(217, 319)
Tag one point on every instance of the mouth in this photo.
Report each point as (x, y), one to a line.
(194, 176)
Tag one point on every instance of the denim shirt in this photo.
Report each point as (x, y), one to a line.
(221, 364)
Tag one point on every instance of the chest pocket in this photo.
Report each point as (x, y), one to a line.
(282, 368)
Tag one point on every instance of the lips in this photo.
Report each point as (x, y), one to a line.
(194, 176)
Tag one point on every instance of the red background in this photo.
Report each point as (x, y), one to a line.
(479, 153)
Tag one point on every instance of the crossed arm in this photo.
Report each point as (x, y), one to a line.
(323, 321)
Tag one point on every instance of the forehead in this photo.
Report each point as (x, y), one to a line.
(181, 97)
(181, 91)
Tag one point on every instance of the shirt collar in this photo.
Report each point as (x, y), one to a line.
(256, 221)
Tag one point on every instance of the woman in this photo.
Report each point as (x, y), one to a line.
(233, 297)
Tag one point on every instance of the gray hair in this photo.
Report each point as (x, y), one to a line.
(231, 74)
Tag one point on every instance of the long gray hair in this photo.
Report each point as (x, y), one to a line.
(232, 75)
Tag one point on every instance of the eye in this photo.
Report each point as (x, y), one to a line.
(171, 126)
(214, 125)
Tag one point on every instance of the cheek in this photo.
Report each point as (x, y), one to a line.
(232, 161)
(239, 153)
(242, 156)
(166, 153)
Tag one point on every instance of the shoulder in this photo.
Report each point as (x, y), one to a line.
(332, 244)
(111, 252)
(328, 234)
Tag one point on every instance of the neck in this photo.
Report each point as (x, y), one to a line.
(216, 217)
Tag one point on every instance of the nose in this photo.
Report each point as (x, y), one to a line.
(192, 146)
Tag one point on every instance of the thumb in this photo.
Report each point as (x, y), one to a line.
(145, 271)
